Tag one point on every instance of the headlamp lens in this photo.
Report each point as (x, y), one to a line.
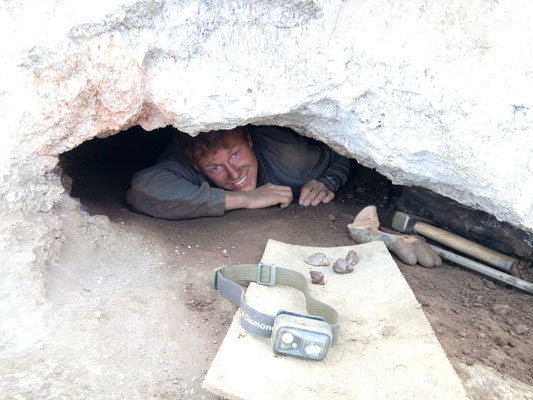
(287, 338)
(313, 349)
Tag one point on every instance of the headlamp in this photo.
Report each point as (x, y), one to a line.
(302, 336)
(292, 334)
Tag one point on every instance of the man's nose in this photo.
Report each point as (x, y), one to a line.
(234, 171)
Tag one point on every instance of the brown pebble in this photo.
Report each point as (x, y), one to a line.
(520, 329)
(317, 278)
(500, 341)
(489, 284)
(317, 260)
(341, 267)
(352, 258)
(500, 309)
(423, 302)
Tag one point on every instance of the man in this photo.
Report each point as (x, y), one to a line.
(246, 167)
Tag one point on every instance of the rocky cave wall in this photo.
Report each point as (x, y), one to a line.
(430, 95)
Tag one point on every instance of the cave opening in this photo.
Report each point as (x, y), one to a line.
(100, 171)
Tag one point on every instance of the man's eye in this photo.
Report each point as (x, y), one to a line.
(236, 154)
(215, 168)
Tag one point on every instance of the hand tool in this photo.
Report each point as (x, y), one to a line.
(484, 270)
(407, 223)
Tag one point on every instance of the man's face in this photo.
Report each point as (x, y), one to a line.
(232, 168)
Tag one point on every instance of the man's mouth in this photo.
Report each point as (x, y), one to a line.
(241, 181)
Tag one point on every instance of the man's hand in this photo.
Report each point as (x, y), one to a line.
(261, 197)
(314, 192)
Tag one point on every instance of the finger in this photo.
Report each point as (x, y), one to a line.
(304, 194)
(330, 196)
(287, 199)
(318, 199)
(307, 192)
(315, 191)
(436, 259)
(424, 256)
(403, 251)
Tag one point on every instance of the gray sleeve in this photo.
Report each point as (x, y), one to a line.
(338, 169)
(173, 190)
(293, 160)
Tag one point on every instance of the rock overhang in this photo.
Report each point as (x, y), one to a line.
(428, 96)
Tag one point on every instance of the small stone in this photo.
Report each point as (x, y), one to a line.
(341, 267)
(331, 217)
(500, 309)
(469, 361)
(521, 329)
(225, 253)
(352, 258)
(317, 260)
(489, 284)
(423, 302)
(509, 351)
(317, 278)
(500, 341)
(462, 334)
(389, 331)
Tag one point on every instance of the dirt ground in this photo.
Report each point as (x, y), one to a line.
(477, 321)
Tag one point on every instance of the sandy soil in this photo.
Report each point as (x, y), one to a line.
(150, 329)
(476, 320)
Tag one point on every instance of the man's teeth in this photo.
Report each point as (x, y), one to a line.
(241, 181)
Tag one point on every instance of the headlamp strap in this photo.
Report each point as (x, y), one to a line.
(259, 323)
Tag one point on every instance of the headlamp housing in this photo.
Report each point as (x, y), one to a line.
(302, 336)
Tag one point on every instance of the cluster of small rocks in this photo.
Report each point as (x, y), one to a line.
(341, 266)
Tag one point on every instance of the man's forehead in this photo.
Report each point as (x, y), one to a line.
(221, 152)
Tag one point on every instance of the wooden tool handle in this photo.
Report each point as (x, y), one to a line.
(500, 261)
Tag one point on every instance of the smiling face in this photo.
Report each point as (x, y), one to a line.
(232, 167)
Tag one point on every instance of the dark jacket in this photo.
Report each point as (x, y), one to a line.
(172, 189)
